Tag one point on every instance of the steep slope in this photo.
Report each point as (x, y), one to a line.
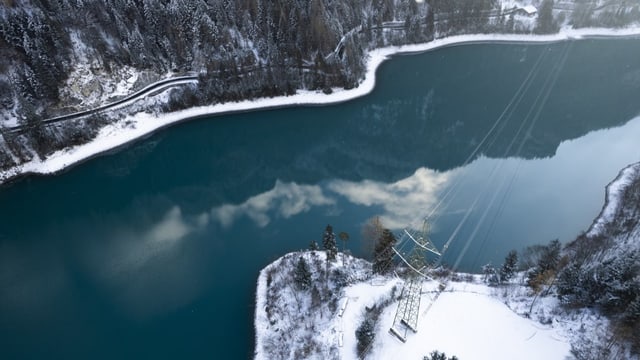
(603, 268)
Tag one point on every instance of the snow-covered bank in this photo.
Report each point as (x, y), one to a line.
(469, 319)
(613, 198)
(141, 124)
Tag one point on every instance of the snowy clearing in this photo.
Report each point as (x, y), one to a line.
(141, 124)
(471, 325)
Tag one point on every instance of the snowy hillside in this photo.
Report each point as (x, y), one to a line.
(603, 268)
(620, 214)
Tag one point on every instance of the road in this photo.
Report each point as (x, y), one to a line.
(147, 90)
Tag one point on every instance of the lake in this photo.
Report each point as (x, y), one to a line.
(153, 251)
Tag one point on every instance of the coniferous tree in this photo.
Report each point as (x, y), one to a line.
(550, 256)
(546, 265)
(490, 274)
(364, 336)
(329, 243)
(437, 355)
(546, 23)
(315, 297)
(632, 313)
(344, 237)
(509, 266)
(302, 274)
(383, 252)
(313, 246)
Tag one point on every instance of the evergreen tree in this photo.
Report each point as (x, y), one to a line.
(546, 23)
(437, 355)
(631, 315)
(344, 237)
(329, 243)
(313, 246)
(364, 336)
(490, 274)
(546, 265)
(315, 297)
(550, 256)
(383, 252)
(302, 274)
(509, 266)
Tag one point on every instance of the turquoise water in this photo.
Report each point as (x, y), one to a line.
(153, 251)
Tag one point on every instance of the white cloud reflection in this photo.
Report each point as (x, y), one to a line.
(402, 202)
(171, 228)
(145, 269)
(284, 200)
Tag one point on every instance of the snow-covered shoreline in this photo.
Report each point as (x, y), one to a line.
(143, 124)
(612, 198)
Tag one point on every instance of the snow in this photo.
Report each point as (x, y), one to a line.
(469, 319)
(612, 198)
(141, 124)
(124, 87)
(530, 9)
(465, 321)
(475, 326)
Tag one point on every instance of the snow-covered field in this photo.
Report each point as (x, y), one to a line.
(469, 319)
(469, 322)
(141, 124)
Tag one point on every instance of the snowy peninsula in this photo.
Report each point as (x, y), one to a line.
(471, 316)
(468, 318)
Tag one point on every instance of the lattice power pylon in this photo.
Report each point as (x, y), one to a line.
(416, 260)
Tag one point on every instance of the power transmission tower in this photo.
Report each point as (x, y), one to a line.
(416, 260)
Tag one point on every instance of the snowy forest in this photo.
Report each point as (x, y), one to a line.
(239, 49)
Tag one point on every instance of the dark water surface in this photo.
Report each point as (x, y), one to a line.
(153, 251)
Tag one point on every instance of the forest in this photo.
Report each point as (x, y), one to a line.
(240, 49)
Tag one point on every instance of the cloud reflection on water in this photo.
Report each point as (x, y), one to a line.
(401, 202)
(284, 200)
(146, 269)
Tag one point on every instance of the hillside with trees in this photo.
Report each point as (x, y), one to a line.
(602, 269)
(595, 277)
(59, 53)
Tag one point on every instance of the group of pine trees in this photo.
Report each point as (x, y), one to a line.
(437, 355)
(382, 239)
(506, 272)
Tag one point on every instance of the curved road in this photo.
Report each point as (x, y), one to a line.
(147, 90)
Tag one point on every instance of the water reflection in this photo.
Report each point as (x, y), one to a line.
(284, 200)
(512, 202)
(401, 202)
(144, 268)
